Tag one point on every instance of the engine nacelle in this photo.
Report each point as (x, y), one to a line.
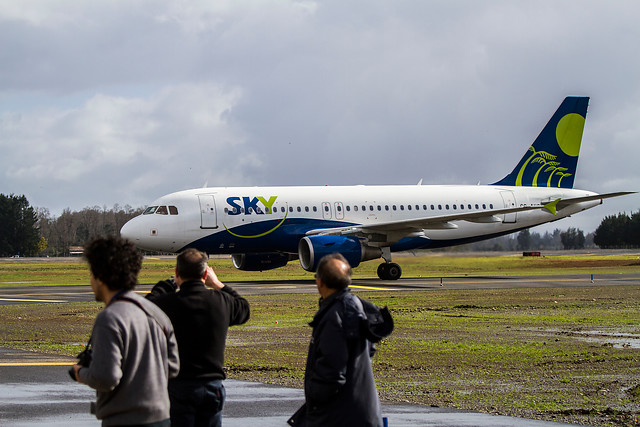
(260, 261)
(312, 248)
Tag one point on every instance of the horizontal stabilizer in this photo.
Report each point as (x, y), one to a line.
(568, 202)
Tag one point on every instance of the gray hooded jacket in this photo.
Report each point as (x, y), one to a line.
(134, 355)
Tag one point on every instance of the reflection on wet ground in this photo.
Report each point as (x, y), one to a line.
(67, 404)
(613, 338)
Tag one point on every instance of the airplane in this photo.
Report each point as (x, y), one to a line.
(266, 227)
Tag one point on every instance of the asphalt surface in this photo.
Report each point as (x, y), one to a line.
(35, 390)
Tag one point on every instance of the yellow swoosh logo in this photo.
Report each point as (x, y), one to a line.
(261, 234)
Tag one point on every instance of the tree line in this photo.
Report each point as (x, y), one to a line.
(526, 240)
(29, 231)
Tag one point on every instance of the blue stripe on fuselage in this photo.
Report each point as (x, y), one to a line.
(283, 239)
(286, 238)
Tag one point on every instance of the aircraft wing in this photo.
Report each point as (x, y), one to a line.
(396, 230)
(411, 226)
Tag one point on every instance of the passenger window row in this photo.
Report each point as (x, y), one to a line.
(370, 208)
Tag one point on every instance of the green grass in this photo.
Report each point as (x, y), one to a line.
(26, 271)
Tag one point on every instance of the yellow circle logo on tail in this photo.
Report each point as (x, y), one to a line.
(569, 133)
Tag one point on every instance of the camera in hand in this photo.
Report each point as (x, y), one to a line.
(84, 359)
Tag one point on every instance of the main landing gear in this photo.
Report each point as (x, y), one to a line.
(389, 271)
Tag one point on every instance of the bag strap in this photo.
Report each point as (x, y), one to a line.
(119, 296)
(131, 300)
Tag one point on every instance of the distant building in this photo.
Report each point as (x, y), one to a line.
(76, 250)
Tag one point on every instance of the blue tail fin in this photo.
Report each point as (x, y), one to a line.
(553, 158)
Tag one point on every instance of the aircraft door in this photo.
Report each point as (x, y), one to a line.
(326, 210)
(208, 212)
(509, 199)
(339, 210)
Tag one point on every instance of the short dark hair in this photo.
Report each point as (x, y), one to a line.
(113, 260)
(331, 274)
(191, 264)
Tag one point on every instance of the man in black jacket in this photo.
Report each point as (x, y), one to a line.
(338, 384)
(201, 309)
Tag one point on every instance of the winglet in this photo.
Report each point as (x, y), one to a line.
(551, 206)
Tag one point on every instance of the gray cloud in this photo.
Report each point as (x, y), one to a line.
(121, 102)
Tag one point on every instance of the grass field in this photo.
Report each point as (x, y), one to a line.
(74, 271)
(565, 354)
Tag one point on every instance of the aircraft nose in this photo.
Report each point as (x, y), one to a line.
(142, 231)
(129, 231)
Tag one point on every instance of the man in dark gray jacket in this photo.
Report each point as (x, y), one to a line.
(134, 350)
(338, 385)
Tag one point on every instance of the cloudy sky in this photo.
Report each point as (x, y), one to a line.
(121, 101)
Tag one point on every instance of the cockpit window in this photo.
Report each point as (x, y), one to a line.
(173, 210)
(162, 210)
(150, 210)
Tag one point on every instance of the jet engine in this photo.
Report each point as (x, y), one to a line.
(259, 261)
(312, 248)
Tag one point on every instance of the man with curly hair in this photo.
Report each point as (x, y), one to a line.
(134, 350)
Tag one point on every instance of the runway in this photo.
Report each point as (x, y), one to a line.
(78, 293)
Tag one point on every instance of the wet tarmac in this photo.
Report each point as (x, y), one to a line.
(35, 390)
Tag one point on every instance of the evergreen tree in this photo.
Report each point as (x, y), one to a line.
(524, 239)
(612, 232)
(19, 234)
(572, 239)
(633, 236)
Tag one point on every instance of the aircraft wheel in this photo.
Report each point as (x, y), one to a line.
(382, 271)
(393, 271)
(389, 271)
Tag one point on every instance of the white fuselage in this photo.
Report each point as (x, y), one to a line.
(274, 219)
